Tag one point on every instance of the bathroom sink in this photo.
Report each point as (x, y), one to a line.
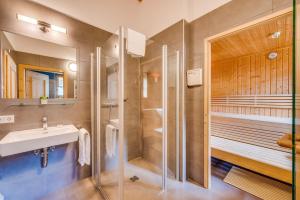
(114, 122)
(33, 139)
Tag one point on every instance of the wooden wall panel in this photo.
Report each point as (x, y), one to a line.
(255, 39)
(241, 11)
(254, 76)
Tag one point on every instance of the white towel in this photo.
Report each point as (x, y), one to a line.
(84, 147)
(110, 140)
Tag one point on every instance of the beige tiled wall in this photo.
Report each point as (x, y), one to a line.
(234, 13)
(133, 132)
(152, 63)
(79, 35)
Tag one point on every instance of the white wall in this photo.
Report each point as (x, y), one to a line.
(39, 47)
(197, 8)
(148, 17)
(156, 15)
(105, 14)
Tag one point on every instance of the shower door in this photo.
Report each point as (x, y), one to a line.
(117, 76)
(107, 112)
(152, 153)
(296, 100)
(144, 124)
(173, 111)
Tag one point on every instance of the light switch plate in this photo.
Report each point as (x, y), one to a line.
(194, 77)
(5, 119)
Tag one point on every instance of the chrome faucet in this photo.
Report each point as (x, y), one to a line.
(45, 123)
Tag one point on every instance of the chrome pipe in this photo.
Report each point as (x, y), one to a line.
(121, 110)
(182, 102)
(98, 114)
(92, 114)
(177, 117)
(165, 115)
(44, 157)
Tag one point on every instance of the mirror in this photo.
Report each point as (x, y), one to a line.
(33, 68)
(112, 65)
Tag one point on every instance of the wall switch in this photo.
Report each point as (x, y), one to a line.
(5, 119)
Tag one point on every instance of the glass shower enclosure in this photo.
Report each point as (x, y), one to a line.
(135, 119)
(296, 102)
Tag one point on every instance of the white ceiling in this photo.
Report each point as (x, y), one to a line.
(148, 17)
(39, 47)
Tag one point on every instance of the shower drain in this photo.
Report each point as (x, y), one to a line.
(134, 178)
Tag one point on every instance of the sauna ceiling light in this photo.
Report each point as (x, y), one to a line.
(275, 35)
(272, 55)
(44, 26)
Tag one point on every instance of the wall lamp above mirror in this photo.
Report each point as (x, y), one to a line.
(73, 67)
(44, 26)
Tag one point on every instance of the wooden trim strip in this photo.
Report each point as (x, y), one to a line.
(253, 165)
(21, 77)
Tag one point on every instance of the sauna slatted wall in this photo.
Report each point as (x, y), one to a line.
(253, 84)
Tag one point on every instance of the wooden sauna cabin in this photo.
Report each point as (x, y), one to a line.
(251, 97)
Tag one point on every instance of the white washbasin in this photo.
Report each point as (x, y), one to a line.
(33, 139)
(114, 122)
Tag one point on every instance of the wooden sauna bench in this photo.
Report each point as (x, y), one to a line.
(250, 142)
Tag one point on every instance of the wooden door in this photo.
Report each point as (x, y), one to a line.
(37, 84)
(10, 77)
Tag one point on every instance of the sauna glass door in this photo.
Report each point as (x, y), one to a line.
(296, 102)
(173, 122)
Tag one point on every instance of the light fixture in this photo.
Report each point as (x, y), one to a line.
(27, 19)
(58, 29)
(73, 67)
(155, 76)
(275, 35)
(272, 55)
(44, 26)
